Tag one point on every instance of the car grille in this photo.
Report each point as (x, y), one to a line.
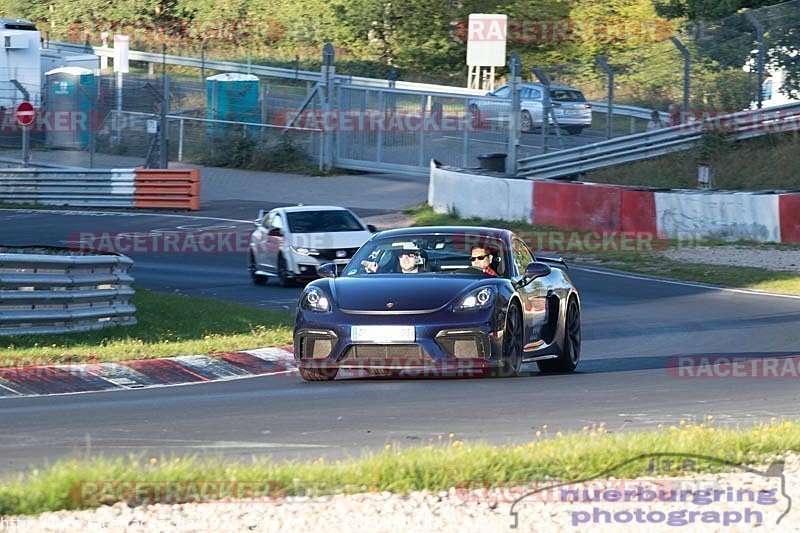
(386, 355)
(330, 254)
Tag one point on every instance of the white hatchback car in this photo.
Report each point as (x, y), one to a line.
(289, 243)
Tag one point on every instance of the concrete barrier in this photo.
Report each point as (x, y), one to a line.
(729, 215)
(472, 195)
(719, 214)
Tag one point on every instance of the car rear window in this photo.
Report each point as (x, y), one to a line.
(566, 95)
(322, 221)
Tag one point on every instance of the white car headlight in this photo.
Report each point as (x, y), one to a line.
(302, 250)
(477, 299)
(315, 300)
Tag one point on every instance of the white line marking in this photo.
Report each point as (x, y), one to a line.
(686, 283)
(225, 445)
(10, 389)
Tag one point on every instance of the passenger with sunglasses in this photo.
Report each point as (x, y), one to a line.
(481, 259)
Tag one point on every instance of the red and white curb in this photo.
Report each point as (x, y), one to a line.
(143, 373)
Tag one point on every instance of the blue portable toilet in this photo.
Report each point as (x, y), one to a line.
(70, 94)
(232, 96)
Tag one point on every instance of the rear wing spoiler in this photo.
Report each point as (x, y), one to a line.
(553, 260)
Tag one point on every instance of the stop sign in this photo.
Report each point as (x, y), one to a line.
(25, 114)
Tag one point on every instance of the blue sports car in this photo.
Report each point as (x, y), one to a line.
(438, 301)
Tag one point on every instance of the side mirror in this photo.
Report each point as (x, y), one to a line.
(275, 232)
(536, 270)
(328, 270)
(372, 228)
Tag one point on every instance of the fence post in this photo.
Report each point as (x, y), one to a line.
(545, 81)
(203, 62)
(687, 72)
(328, 73)
(515, 65)
(609, 96)
(421, 136)
(180, 140)
(381, 122)
(163, 145)
(761, 52)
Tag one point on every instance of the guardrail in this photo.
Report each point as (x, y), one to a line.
(742, 125)
(56, 290)
(134, 188)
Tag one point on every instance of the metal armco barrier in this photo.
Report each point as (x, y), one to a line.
(56, 290)
(134, 188)
(630, 148)
(167, 189)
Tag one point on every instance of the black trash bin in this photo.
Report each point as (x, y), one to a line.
(493, 162)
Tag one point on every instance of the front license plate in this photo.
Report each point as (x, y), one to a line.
(382, 334)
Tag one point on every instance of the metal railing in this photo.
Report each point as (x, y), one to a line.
(56, 290)
(68, 186)
(740, 125)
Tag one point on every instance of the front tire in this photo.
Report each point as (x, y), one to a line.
(570, 355)
(257, 279)
(511, 359)
(283, 273)
(318, 374)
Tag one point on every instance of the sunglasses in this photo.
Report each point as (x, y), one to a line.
(479, 257)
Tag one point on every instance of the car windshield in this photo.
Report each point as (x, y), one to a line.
(322, 221)
(429, 254)
(566, 95)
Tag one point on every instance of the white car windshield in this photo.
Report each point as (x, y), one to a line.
(327, 221)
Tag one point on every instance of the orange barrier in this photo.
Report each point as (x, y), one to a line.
(167, 189)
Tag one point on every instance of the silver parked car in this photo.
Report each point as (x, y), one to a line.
(572, 111)
(289, 243)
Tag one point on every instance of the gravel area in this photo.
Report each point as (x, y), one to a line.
(465, 511)
(770, 259)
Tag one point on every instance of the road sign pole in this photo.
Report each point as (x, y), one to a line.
(26, 148)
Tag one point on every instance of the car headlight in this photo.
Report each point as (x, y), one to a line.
(477, 299)
(315, 300)
(302, 250)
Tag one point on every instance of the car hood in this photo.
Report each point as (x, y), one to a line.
(408, 292)
(325, 241)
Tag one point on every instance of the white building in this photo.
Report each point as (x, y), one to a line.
(772, 93)
(19, 63)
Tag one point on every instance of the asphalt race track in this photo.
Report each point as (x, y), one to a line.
(633, 329)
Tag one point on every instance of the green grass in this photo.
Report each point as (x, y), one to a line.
(644, 261)
(168, 325)
(769, 162)
(445, 463)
